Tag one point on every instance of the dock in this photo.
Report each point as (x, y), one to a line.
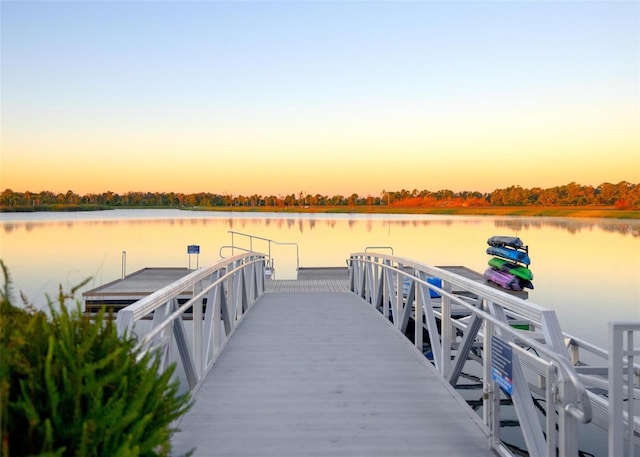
(120, 293)
(314, 372)
(335, 364)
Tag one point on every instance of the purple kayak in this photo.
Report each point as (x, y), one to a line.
(503, 279)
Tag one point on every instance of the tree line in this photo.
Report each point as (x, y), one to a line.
(623, 195)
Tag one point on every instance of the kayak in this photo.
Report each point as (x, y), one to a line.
(508, 253)
(511, 241)
(506, 280)
(509, 267)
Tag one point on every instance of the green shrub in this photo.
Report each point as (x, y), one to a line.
(71, 386)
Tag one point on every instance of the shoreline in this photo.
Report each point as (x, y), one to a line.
(526, 211)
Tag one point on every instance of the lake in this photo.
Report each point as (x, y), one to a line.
(588, 270)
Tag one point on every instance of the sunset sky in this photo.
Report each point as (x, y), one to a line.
(330, 97)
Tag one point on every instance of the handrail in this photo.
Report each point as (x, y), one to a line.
(379, 247)
(583, 416)
(184, 307)
(228, 246)
(269, 242)
(197, 313)
(378, 278)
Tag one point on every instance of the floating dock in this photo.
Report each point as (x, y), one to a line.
(117, 294)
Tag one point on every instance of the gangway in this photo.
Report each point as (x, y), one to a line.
(543, 359)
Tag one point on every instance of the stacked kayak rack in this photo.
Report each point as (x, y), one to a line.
(509, 264)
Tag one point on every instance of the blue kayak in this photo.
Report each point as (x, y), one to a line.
(509, 254)
(431, 280)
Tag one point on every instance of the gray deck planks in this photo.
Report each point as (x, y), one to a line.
(323, 374)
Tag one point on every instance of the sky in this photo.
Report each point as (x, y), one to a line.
(328, 97)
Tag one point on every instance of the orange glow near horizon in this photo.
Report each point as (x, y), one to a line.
(474, 162)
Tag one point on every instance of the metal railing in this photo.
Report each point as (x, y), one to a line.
(476, 323)
(371, 248)
(593, 365)
(624, 384)
(197, 327)
(270, 260)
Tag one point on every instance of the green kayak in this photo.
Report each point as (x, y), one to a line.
(514, 269)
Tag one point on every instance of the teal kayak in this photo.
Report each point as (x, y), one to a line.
(507, 253)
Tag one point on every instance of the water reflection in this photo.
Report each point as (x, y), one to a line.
(304, 222)
(573, 225)
(569, 256)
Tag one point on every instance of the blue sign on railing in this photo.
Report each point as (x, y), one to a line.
(193, 249)
(501, 364)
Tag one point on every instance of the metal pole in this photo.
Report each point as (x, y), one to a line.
(616, 396)
(124, 264)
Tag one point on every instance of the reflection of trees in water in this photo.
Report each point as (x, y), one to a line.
(571, 225)
(513, 224)
(634, 230)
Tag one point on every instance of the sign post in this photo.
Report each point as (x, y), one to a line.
(194, 249)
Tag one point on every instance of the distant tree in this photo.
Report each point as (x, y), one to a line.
(6, 199)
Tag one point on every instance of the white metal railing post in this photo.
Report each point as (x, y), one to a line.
(622, 378)
(567, 424)
(387, 292)
(446, 331)
(550, 377)
(631, 351)
(616, 424)
(417, 337)
(196, 323)
(491, 392)
(399, 300)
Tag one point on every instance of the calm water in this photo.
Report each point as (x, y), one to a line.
(588, 270)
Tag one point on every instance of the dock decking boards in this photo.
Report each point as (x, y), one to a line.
(323, 374)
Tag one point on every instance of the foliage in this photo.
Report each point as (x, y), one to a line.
(572, 194)
(71, 386)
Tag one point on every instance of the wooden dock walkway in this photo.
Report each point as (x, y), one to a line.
(312, 371)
